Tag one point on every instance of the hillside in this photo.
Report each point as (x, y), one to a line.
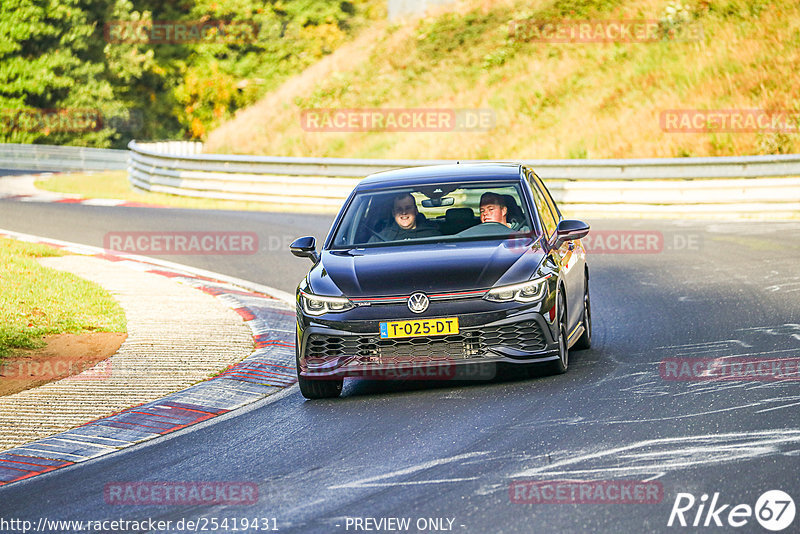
(548, 99)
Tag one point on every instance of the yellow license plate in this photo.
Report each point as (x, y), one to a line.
(419, 327)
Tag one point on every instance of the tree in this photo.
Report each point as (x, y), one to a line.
(50, 87)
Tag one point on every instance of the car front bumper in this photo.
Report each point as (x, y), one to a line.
(335, 349)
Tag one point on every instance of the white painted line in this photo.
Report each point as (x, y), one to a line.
(368, 482)
(106, 202)
(58, 437)
(778, 407)
(38, 453)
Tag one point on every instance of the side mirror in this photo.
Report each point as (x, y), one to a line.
(569, 230)
(305, 247)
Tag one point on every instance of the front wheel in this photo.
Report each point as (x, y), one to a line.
(320, 388)
(585, 341)
(560, 365)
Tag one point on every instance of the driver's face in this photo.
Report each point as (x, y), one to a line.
(493, 213)
(405, 213)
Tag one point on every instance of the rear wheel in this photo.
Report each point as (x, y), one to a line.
(585, 341)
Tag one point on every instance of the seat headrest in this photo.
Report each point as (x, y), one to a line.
(459, 214)
(514, 211)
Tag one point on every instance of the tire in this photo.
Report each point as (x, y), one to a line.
(560, 365)
(319, 388)
(585, 341)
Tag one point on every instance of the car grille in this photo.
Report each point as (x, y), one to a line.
(520, 336)
(465, 345)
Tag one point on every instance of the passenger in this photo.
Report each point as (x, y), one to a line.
(406, 224)
(494, 209)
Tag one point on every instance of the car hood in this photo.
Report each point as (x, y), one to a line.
(432, 267)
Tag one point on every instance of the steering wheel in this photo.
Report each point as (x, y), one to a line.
(487, 229)
(376, 234)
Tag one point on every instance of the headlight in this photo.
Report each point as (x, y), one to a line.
(525, 292)
(316, 305)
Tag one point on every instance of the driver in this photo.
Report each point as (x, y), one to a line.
(493, 209)
(406, 223)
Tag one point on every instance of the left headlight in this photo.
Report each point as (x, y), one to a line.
(530, 291)
(317, 305)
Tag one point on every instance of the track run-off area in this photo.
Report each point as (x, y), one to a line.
(477, 456)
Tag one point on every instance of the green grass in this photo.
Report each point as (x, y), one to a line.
(115, 185)
(36, 301)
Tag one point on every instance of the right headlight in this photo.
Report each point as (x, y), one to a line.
(318, 305)
(529, 291)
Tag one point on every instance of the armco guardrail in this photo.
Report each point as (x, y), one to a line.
(752, 185)
(61, 158)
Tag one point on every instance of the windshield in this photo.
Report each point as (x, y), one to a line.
(443, 212)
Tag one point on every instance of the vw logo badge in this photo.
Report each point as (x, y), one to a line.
(418, 302)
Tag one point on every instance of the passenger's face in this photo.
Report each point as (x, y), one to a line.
(405, 213)
(493, 213)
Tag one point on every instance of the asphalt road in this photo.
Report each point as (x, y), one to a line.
(452, 450)
(12, 172)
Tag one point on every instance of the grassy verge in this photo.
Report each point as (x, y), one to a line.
(115, 185)
(37, 301)
(549, 99)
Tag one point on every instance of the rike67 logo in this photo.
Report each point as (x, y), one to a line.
(774, 510)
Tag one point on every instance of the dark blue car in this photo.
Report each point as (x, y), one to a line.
(429, 271)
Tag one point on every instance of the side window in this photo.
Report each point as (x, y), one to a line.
(544, 211)
(548, 198)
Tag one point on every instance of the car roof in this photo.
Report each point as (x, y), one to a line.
(429, 174)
